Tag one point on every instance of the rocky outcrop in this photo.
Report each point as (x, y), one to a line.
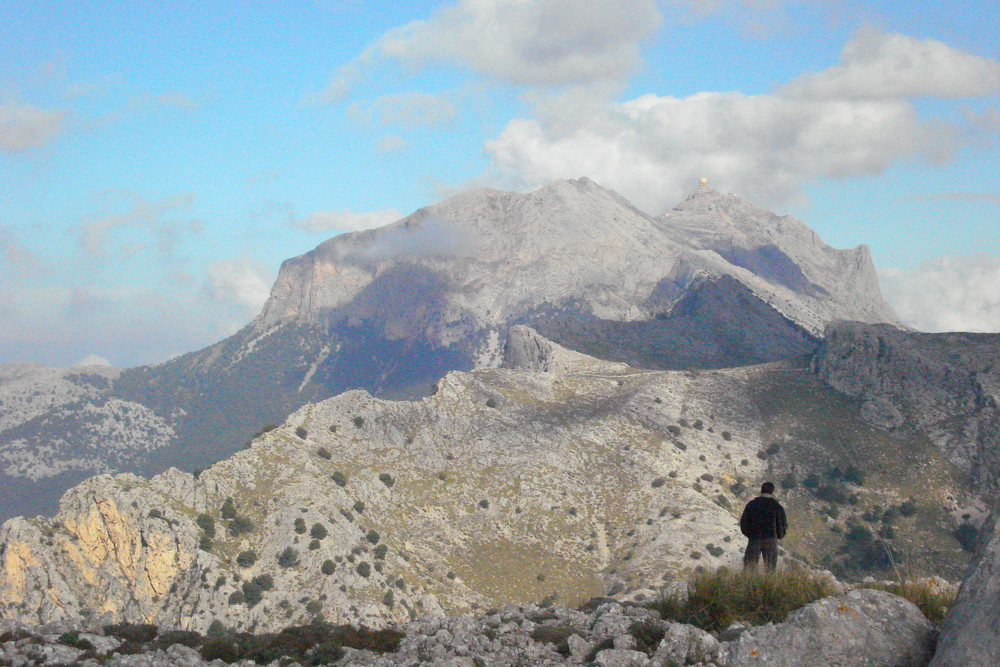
(526, 350)
(970, 631)
(943, 386)
(863, 627)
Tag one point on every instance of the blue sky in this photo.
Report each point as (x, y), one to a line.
(159, 160)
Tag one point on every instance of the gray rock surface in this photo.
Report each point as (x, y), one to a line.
(969, 635)
(942, 386)
(863, 627)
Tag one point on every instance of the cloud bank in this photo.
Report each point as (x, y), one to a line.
(947, 294)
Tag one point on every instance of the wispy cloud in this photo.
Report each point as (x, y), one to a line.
(164, 222)
(987, 197)
(344, 220)
(25, 126)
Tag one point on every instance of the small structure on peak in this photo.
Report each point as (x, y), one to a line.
(703, 183)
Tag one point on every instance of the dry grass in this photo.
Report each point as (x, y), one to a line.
(715, 600)
(933, 599)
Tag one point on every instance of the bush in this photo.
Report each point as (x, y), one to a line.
(301, 432)
(658, 482)
(339, 478)
(854, 476)
(228, 510)
(908, 508)
(288, 558)
(359, 422)
(373, 536)
(387, 479)
(207, 524)
(359, 507)
(324, 453)
(314, 545)
(328, 567)
(364, 569)
(239, 526)
(155, 514)
(139, 633)
(380, 551)
(246, 558)
(727, 436)
(789, 481)
(205, 543)
(831, 494)
(491, 402)
(717, 599)
(300, 525)
(252, 593)
(811, 482)
(318, 531)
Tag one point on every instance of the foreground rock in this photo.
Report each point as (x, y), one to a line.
(860, 628)
(969, 637)
(863, 627)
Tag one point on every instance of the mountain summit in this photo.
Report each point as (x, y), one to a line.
(712, 283)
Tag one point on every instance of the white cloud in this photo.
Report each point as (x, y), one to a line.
(343, 220)
(411, 109)
(540, 42)
(239, 281)
(653, 149)
(24, 126)
(957, 293)
(890, 65)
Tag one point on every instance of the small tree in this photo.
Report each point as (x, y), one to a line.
(288, 558)
(328, 567)
(318, 531)
(246, 558)
(300, 525)
(207, 524)
(228, 510)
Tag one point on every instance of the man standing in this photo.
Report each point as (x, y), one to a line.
(763, 523)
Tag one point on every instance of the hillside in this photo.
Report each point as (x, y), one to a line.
(507, 484)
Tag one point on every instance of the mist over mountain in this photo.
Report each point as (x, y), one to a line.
(715, 282)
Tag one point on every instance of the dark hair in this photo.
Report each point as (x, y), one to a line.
(767, 487)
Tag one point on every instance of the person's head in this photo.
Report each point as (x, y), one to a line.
(767, 487)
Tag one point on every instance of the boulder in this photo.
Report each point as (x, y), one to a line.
(863, 627)
(969, 635)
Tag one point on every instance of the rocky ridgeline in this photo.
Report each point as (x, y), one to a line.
(507, 485)
(864, 627)
(944, 386)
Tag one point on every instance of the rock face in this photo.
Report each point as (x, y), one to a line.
(946, 386)
(504, 486)
(863, 627)
(970, 631)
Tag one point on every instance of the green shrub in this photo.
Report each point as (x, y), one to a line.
(557, 635)
(240, 525)
(140, 633)
(339, 478)
(716, 599)
(318, 531)
(228, 510)
(359, 422)
(301, 432)
(155, 514)
(300, 525)
(314, 545)
(908, 508)
(727, 436)
(789, 481)
(658, 482)
(854, 476)
(252, 593)
(491, 402)
(373, 537)
(246, 558)
(811, 481)
(328, 567)
(387, 479)
(324, 453)
(206, 523)
(364, 569)
(314, 607)
(205, 543)
(832, 494)
(216, 628)
(288, 558)
(359, 507)
(380, 551)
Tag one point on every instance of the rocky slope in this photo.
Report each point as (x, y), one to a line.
(506, 485)
(946, 386)
(714, 283)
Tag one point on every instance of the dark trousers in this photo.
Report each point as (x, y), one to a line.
(768, 547)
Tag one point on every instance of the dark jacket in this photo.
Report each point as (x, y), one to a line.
(763, 518)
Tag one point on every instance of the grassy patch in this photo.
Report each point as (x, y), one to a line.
(717, 599)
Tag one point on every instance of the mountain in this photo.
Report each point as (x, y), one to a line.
(713, 283)
(558, 476)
